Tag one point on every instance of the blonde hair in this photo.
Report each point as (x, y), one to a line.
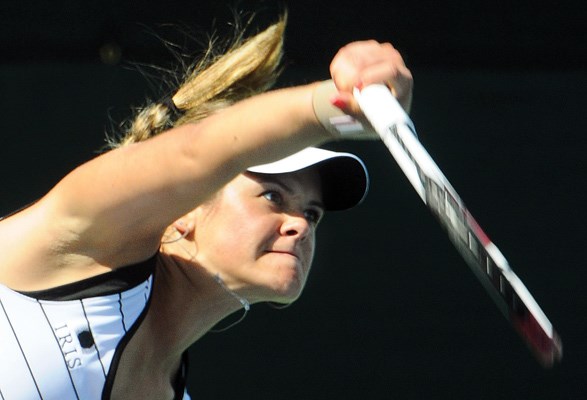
(249, 67)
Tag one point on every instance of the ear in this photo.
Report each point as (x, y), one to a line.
(186, 224)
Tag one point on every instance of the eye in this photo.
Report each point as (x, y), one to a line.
(273, 196)
(313, 216)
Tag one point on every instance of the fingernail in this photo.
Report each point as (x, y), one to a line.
(339, 103)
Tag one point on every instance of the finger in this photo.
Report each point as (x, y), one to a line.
(366, 62)
(344, 74)
(397, 78)
(351, 60)
(346, 102)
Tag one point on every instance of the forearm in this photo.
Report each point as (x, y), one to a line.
(258, 130)
(190, 163)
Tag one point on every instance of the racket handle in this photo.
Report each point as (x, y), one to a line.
(381, 108)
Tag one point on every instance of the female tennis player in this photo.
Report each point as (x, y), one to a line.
(208, 204)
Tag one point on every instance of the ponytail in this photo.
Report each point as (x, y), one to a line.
(249, 67)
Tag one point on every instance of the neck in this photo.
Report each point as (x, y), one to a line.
(190, 301)
(243, 302)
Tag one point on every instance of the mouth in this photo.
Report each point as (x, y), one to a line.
(284, 252)
(291, 267)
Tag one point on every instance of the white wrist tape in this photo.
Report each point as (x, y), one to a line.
(334, 120)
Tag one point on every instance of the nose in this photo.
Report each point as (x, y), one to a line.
(295, 225)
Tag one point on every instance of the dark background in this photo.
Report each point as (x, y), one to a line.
(391, 311)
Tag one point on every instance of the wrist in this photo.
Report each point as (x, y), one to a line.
(335, 121)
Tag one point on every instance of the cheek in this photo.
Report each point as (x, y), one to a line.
(227, 241)
(236, 240)
(309, 250)
(219, 227)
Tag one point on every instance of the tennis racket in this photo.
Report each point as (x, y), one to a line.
(490, 266)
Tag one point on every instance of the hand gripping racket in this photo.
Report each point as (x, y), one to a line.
(515, 301)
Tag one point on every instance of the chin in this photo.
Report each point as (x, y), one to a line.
(288, 286)
(282, 279)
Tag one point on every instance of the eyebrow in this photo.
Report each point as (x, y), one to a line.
(289, 190)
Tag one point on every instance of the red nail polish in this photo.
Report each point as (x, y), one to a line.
(339, 103)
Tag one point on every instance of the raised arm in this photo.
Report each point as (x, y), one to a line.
(113, 210)
(122, 201)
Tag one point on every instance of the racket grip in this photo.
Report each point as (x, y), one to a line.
(381, 108)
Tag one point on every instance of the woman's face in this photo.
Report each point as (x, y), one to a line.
(259, 234)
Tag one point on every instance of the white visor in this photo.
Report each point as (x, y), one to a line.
(343, 176)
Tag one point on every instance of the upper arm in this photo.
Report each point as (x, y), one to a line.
(116, 206)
